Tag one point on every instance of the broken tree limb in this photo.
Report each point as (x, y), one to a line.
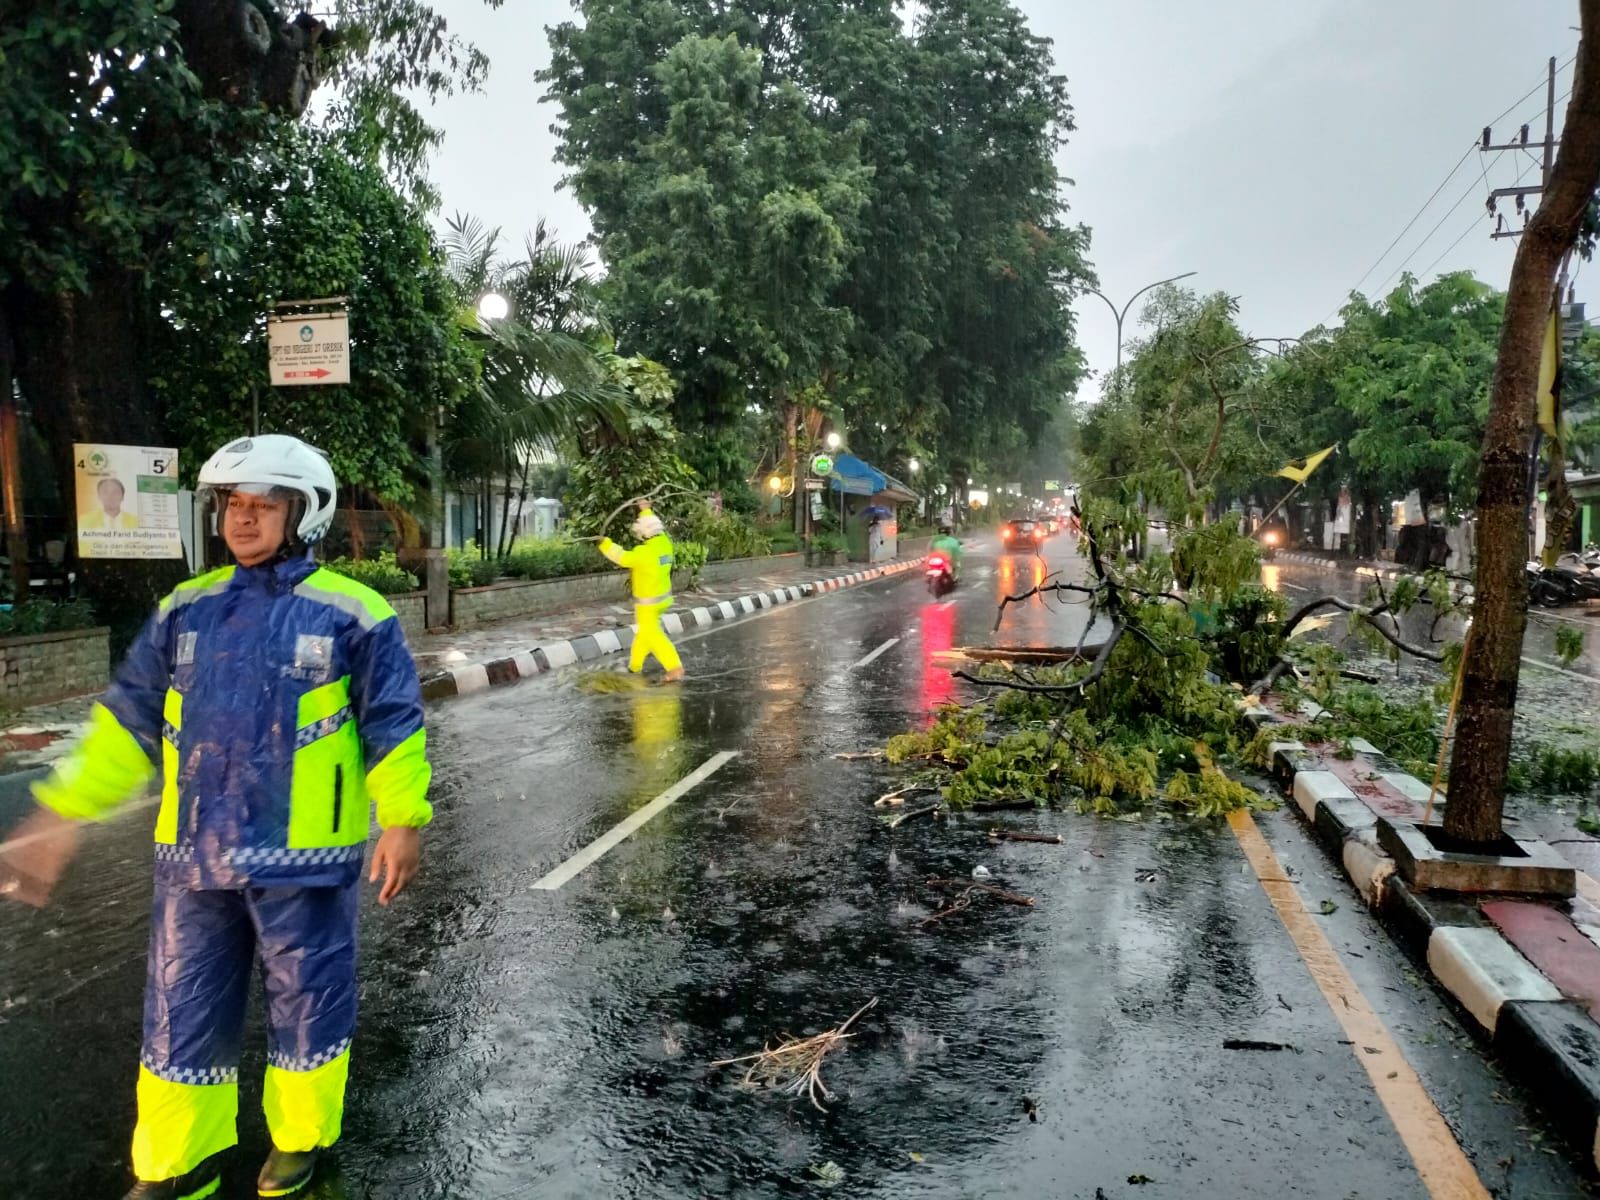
(1012, 835)
(1369, 614)
(859, 755)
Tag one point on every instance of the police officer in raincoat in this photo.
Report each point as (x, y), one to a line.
(276, 700)
(650, 565)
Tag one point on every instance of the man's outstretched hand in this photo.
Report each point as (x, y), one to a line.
(34, 856)
(396, 858)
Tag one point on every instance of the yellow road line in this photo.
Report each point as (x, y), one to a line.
(1445, 1169)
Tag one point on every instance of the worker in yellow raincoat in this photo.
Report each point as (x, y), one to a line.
(650, 565)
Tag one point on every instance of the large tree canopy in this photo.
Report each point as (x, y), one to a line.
(128, 131)
(806, 205)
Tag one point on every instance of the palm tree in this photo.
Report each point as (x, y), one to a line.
(543, 374)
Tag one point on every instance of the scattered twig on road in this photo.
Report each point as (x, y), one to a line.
(910, 813)
(859, 755)
(1011, 835)
(1244, 1044)
(898, 797)
(997, 893)
(795, 1064)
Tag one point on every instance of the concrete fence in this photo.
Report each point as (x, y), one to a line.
(44, 667)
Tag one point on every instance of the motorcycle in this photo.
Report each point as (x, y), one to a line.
(941, 573)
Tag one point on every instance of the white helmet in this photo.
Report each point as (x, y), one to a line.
(274, 461)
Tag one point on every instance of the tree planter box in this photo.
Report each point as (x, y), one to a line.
(44, 667)
(1515, 868)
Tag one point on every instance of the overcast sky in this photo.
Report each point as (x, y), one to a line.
(1274, 148)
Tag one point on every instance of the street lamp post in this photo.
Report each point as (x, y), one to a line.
(1121, 314)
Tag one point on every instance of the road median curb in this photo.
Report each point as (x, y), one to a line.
(1546, 1037)
(1364, 569)
(463, 679)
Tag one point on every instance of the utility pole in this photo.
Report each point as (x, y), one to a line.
(1521, 193)
(1555, 476)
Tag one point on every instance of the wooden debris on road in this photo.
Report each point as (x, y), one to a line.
(1037, 655)
(1012, 835)
(859, 755)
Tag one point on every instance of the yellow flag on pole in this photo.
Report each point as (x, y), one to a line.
(1300, 470)
(1549, 368)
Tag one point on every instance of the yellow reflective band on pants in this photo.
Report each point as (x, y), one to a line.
(652, 639)
(181, 1125)
(305, 1109)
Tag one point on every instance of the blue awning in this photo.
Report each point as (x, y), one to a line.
(854, 477)
(857, 478)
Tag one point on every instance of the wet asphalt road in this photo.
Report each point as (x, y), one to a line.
(526, 1043)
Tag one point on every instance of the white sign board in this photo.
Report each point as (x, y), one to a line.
(309, 350)
(127, 498)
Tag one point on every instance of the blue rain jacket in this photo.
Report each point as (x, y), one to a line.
(278, 701)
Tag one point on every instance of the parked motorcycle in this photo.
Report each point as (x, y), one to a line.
(941, 573)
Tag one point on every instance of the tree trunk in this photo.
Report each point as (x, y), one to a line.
(791, 450)
(78, 361)
(1494, 645)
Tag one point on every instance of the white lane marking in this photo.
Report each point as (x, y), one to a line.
(889, 645)
(1293, 587)
(631, 824)
(948, 604)
(1534, 662)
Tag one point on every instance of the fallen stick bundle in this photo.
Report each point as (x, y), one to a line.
(795, 1064)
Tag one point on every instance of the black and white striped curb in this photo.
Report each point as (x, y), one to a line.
(1465, 591)
(1541, 1035)
(466, 678)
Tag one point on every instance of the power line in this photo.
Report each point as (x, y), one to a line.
(1443, 183)
(1472, 190)
(1428, 270)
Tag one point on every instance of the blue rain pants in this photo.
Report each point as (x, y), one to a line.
(203, 944)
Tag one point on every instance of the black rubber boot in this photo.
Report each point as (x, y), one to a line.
(285, 1172)
(203, 1181)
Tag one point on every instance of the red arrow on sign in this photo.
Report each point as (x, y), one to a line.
(319, 373)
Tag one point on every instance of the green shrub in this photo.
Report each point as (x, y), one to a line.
(785, 541)
(45, 616)
(691, 559)
(383, 574)
(554, 558)
(468, 568)
(828, 542)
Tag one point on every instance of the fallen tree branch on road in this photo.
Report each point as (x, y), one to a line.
(1012, 835)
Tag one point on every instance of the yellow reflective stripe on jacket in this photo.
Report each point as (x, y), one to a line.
(399, 784)
(105, 769)
(327, 794)
(345, 594)
(327, 791)
(194, 589)
(167, 817)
